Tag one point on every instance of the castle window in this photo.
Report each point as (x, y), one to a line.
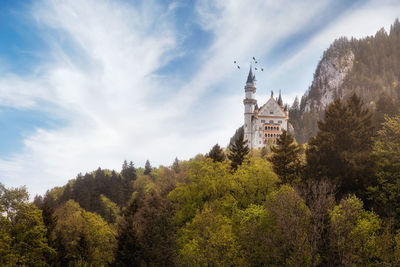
(279, 121)
(262, 121)
(271, 112)
(271, 121)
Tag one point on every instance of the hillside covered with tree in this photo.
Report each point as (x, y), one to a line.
(334, 203)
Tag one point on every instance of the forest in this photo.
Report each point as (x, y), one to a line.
(334, 201)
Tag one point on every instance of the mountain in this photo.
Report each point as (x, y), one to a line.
(369, 67)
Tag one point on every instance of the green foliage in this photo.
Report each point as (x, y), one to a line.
(385, 193)
(341, 150)
(286, 159)
(238, 151)
(22, 231)
(276, 234)
(82, 237)
(146, 231)
(208, 240)
(111, 210)
(253, 182)
(88, 189)
(216, 153)
(353, 234)
(208, 181)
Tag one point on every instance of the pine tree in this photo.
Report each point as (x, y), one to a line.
(128, 245)
(216, 153)
(175, 165)
(341, 150)
(238, 151)
(384, 106)
(385, 194)
(285, 158)
(147, 167)
(128, 170)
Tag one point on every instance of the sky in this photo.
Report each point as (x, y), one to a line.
(91, 83)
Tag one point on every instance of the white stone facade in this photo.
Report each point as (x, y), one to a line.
(262, 125)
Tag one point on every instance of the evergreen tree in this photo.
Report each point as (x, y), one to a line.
(128, 171)
(216, 153)
(384, 106)
(128, 245)
(341, 150)
(285, 158)
(175, 165)
(238, 151)
(386, 154)
(147, 167)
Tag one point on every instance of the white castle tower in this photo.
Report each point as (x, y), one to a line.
(263, 125)
(249, 106)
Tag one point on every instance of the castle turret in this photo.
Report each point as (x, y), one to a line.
(280, 101)
(249, 106)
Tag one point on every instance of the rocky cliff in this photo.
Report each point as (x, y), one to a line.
(369, 67)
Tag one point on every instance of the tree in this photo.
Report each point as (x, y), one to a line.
(127, 243)
(22, 231)
(276, 234)
(320, 199)
(285, 158)
(83, 237)
(216, 153)
(208, 240)
(128, 171)
(353, 234)
(238, 151)
(175, 165)
(341, 150)
(111, 210)
(385, 193)
(146, 232)
(147, 168)
(384, 106)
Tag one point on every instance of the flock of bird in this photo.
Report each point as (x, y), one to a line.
(255, 62)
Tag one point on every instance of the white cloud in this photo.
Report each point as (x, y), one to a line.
(97, 79)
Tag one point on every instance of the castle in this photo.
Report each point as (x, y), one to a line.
(263, 125)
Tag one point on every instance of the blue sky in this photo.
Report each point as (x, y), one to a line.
(89, 83)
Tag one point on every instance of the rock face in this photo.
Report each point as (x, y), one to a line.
(369, 67)
(330, 75)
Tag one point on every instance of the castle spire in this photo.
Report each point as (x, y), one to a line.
(251, 77)
(280, 102)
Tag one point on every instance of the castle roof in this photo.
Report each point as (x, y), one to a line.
(251, 77)
(273, 100)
